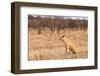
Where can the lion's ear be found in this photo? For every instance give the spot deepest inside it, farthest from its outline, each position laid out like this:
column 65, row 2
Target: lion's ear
column 63, row 36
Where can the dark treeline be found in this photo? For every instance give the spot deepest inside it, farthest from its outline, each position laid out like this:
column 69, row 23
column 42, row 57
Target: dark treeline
column 56, row 23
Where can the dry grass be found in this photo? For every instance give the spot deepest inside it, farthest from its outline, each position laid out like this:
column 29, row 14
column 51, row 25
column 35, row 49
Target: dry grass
column 47, row 46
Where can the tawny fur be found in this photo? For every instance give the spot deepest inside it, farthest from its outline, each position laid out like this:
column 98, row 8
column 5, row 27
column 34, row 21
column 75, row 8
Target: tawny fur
column 69, row 45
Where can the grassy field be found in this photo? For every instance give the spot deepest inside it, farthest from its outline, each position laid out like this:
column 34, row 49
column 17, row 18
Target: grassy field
column 47, row 46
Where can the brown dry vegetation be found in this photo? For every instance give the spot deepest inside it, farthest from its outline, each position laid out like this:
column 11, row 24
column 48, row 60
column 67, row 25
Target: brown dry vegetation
column 45, row 45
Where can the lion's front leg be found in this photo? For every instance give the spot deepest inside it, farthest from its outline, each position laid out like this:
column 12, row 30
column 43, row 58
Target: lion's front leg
column 67, row 49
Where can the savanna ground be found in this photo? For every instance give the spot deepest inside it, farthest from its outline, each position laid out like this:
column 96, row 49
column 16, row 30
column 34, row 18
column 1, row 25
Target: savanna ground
column 47, row 46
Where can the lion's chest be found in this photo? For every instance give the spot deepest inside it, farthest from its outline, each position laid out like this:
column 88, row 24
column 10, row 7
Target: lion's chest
column 68, row 42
